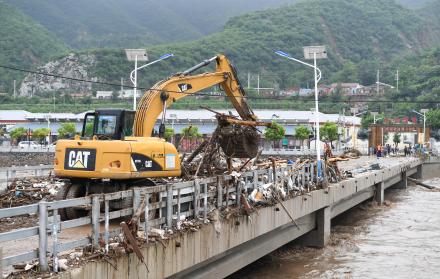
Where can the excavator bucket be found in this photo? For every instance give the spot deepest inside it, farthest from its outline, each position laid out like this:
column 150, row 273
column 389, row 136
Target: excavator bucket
column 239, row 141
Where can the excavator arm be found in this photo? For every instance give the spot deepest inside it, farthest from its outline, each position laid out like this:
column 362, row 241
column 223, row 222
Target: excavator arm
column 164, row 93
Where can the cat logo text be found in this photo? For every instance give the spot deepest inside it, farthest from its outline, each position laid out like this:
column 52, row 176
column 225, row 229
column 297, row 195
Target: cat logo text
column 80, row 159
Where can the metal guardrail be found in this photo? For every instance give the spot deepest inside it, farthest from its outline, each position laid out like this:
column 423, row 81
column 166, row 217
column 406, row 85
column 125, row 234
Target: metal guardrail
column 37, row 149
column 298, row 152
column 197, row 197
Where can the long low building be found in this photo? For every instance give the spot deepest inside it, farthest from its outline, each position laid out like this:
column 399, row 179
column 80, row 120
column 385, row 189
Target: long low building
column 179, row 119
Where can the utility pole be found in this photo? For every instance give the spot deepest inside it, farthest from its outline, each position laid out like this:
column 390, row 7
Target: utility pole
column 377, row 82
column 15, row 88
column 397, row 80
column 258, row 85
column 122, row 87
column 249, row 81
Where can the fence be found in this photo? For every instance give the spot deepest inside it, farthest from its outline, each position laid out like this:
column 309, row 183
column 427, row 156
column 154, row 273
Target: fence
column 32, row 149
column 192, row 199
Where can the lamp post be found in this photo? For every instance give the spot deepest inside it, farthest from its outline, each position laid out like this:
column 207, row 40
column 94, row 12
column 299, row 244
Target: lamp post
column 140, row 55
column 173, row 117
column 312, row 52
column 423, row 113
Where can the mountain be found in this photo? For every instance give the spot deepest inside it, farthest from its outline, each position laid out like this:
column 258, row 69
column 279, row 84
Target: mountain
column 23, row 43
column 133, row 23
column 360, row 36
column 353, row 30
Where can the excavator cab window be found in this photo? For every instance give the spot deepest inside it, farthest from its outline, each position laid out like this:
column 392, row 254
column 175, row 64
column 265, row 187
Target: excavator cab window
column 108, row 124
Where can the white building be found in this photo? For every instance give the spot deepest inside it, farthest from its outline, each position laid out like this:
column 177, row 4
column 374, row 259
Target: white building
column 104, row 94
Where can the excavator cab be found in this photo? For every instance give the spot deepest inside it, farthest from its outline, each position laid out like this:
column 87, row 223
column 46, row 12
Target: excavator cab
column 108, row 124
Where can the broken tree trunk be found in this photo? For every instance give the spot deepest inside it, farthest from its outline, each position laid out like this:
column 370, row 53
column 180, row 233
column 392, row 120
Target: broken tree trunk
column 420, row 183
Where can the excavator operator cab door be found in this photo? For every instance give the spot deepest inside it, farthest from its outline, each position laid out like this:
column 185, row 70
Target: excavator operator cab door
column 110, row 124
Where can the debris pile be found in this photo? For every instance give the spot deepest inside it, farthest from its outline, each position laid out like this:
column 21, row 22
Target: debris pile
column 363, row 169
column 30, row 190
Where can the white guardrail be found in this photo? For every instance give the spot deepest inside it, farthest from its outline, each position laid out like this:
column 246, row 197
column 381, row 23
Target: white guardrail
column 32, row 149
column 196, row 198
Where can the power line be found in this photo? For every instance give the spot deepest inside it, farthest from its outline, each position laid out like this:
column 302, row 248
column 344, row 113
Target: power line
column 275, row 98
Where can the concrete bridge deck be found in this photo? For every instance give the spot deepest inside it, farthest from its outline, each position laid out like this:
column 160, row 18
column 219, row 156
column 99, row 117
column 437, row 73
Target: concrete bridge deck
column 238, row 241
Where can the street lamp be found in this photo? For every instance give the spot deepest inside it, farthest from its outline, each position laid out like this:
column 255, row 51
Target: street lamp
column 47, row 116
column 312, row 52
column 140, row 55
column 423, row 113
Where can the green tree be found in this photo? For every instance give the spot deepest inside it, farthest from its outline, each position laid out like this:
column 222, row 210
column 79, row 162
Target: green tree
column 433, row 119
column 396, row 139
column 274, row 132
column 40, row 133
column 89, row 130
column 386, row 137
column 329, row 132
column 17, row 133
column 191, row 132
column 302, row 133
column 169, row 133
column 66, row 130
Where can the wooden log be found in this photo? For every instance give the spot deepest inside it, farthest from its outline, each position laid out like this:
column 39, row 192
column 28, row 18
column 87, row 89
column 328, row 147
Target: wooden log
column 420, row 183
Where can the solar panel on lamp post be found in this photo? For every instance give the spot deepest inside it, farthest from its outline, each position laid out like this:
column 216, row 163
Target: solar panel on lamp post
column 140, row 55
column 312, row 52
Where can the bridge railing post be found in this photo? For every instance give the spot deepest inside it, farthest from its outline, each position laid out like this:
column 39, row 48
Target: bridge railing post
column 219, row 191
column 146, row 228
column 196, row 198
column 169, row 205
column 255, row 179
column 42, row 235
column 205, row 202
column 95, row 220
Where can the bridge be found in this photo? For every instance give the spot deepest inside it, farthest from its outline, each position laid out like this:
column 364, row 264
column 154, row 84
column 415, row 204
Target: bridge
column 218, row 246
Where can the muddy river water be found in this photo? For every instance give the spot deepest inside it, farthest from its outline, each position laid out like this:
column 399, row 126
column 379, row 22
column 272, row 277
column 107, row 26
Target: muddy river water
column 400, row 239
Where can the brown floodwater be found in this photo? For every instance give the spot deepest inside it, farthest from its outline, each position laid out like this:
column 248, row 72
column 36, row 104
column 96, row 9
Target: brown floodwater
column 398, row 240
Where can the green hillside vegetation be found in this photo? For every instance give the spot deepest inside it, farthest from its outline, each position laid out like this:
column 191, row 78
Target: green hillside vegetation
column 23, row 43
column 358, row 35
column 419, row 81
column 361, row 36
column 122, row 23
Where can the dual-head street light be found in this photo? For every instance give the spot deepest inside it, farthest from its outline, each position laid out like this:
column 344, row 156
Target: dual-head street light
column 140, row 55
column 312, row 52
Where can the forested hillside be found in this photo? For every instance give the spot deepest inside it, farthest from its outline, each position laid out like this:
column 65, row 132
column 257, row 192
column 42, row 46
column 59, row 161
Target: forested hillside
column 359, row 35
column 132, row 23
column 23, row 43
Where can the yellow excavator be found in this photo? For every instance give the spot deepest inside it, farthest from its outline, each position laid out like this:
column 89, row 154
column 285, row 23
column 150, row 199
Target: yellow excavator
column 116, row 149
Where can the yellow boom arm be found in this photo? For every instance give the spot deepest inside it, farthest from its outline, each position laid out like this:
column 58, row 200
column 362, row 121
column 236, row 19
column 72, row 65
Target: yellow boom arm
column 166, row 92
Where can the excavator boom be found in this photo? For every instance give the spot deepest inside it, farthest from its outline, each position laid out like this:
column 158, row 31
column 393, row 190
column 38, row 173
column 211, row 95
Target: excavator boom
column 164, row 93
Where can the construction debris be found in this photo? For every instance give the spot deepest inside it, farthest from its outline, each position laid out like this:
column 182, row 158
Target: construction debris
column 30, row 190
